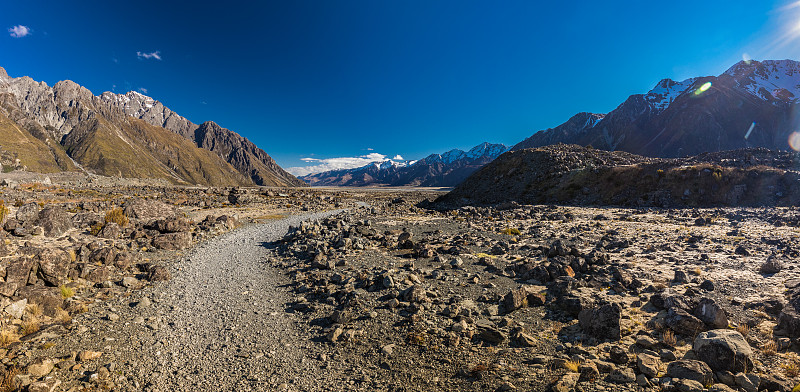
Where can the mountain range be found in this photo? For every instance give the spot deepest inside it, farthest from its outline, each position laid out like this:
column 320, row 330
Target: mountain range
column 446, row 169
column 67, row 128
column 752, row 104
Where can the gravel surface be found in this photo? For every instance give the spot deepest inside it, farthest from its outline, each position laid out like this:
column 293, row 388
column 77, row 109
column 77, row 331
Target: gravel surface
column 225, row 323
column 219, row 324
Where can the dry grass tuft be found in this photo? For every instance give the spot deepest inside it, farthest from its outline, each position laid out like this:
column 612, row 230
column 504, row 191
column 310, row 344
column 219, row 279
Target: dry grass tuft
column 30, row 326
column 769, row 348
column 117, row 215
column 34, row 309
column 95, row 229
column 8, row 337
column 66, row 292
column 62, row 316
column 9, row 383
column 3, row 210
column 668, row 337
column 743, row 329
column 572, row 366
column 510, row 231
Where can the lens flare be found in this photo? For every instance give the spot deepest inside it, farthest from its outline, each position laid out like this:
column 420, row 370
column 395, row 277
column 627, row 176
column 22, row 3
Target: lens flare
column 703, row 88
column 794, row 141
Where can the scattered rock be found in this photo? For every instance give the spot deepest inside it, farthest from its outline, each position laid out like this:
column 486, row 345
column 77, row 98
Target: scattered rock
column 602, row 322
column 724, row 349
column 690, row 369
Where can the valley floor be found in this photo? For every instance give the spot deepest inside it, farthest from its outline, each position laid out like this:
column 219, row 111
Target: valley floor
column 340, row 290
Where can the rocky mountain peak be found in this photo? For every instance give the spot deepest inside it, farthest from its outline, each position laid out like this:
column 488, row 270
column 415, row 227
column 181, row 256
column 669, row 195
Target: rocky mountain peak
column 67, row 90
column 662, row 95
column 138, row 105
column 771, row 80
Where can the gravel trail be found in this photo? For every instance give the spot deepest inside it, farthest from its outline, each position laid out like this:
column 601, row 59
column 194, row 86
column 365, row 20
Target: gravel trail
column 221, row 322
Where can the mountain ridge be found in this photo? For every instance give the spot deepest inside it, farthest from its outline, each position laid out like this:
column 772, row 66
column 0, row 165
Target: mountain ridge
column 51, row 114
column 748, row 105
column 435, row 170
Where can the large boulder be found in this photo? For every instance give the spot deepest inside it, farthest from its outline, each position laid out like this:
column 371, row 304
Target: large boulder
column 682, row 322
column 110, row 231
column 690, row 369
column 724, row 349
column 27, row 213
column 17, row 272
column 710, row 313
column 169, row 225
column 49, row 298
column 53, row 265
column 54, row 220
column 173, row 241
column 523, row 297
column 602, row 322
column 147, row 209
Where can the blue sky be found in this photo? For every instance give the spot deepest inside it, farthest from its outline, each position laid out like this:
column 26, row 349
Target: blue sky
column 343, row 79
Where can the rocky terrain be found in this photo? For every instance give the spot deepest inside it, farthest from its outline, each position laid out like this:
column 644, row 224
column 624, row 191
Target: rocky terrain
column 571, row 174
column 749, row 105
column 163, row 288
column 436, row 170
column 67, row 128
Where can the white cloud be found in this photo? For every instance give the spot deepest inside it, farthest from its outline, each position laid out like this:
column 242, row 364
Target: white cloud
column 323, row 165
column 397, row 157
column 142, row 90
column 19, row 31
column 153, row 55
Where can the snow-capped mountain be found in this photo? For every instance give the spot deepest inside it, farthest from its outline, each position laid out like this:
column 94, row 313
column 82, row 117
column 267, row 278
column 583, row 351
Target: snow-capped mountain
column 774, row 80
column 749, row 105
column 446, row 169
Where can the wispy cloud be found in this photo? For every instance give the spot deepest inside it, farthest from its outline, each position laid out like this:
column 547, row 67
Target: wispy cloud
column 323, row 165
column 142, row 90
column 152, row 55
column 19, row 31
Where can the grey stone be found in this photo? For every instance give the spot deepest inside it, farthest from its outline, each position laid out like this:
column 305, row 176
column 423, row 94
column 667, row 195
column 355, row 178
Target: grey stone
column 691, row 370
column 618, row 355
column 685, row 385
column 602, row 322
column 17, row 309
column 724, row 349
column 649, row 365
column 40, row 367
column 710, row 313
column 54, row 220
column 566, row 383
column 622, row 376
column 748, row 382
column 720, row 388
column 682, row 322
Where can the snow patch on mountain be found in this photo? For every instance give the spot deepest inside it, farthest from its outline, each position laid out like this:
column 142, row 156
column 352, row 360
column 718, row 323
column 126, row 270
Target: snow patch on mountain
column 481, row 150
column 665, row 92
column 769, row 79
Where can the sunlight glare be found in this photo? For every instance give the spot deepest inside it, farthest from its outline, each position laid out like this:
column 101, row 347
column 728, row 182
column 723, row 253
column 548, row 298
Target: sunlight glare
column 703, row 88
column 794, row 141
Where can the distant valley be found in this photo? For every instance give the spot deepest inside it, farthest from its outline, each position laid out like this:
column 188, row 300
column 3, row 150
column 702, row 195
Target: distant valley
column 435, row 170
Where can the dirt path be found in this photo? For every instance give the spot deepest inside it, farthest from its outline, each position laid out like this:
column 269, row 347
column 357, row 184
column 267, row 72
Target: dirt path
column 219, row 324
